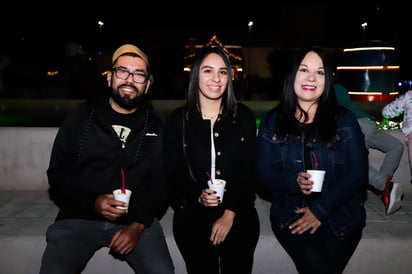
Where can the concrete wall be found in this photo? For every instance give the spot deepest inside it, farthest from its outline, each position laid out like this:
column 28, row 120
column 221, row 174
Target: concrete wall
column 25, row 153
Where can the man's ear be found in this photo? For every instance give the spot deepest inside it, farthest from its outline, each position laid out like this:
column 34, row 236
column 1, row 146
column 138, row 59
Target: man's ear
column 109, row 78
column 149, row 82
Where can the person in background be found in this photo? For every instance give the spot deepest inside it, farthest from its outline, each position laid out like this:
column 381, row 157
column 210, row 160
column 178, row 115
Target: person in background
column 105, row 141
column 78, row 72
column 402, row 105
column 309, row 130
column 213, row 135
column 376, row 138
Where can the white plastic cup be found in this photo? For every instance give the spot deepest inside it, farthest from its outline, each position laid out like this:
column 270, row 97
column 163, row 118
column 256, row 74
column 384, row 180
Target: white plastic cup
column 124, row 197
column 317, row 176
column 218, row 186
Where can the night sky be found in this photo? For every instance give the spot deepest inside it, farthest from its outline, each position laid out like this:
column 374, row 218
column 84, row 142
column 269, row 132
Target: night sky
column 46, row 29
column 333, row 24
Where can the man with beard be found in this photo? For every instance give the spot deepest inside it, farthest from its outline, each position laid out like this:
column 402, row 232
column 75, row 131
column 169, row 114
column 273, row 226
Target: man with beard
column 107, row 143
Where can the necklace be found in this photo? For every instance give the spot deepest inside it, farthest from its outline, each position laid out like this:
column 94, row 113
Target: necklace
column 210, row 116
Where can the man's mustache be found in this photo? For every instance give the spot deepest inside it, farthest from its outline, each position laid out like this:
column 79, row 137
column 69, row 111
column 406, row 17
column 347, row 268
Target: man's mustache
column 129, row 86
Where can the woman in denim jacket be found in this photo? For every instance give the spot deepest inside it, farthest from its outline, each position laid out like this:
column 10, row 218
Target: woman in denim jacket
column 308, row 130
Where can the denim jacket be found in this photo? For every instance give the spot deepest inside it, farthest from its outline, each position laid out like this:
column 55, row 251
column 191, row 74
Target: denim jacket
column 341, row 202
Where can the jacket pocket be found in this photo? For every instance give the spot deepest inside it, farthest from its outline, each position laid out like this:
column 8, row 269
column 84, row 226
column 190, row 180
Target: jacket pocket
column 349, row 218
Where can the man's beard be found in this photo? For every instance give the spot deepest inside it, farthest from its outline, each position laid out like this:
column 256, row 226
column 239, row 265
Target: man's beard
column 127, row 103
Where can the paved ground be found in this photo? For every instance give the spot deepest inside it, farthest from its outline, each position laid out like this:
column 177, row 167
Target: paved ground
column 397, row 225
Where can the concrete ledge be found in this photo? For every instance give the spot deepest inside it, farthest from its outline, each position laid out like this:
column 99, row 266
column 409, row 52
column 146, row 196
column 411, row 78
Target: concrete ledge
column 26, row 212
column 25, row 216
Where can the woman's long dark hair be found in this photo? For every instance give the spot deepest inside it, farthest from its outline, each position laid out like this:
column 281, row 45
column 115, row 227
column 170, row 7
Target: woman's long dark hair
column 192, row 97
column 324, row 124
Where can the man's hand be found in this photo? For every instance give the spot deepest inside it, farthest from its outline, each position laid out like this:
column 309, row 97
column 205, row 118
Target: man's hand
column 105, row 206
column 126, row 239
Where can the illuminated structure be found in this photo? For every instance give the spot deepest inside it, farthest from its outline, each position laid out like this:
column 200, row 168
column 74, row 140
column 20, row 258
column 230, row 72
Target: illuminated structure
column 236, row 59
column 369, row 72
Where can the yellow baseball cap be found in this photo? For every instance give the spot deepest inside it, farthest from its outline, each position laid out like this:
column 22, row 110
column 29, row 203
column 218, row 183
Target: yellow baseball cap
column 129, row 48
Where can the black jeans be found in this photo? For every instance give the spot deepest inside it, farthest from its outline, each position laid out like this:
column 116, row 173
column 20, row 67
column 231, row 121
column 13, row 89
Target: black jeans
column 71, row 244
column 320, row 253
column 192, row 229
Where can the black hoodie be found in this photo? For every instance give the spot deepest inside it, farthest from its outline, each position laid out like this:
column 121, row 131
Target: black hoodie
column 88, row 156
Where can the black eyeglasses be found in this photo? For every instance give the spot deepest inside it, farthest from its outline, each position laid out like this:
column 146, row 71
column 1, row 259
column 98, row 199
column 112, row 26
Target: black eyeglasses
column 123, row 74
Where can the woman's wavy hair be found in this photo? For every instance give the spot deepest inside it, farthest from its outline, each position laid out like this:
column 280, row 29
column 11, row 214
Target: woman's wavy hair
column 324, row 128
column 192, row 96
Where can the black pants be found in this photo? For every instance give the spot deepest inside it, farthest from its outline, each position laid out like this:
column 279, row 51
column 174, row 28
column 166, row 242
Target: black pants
column 192, row 229
column 71, row 243
column 320, row 253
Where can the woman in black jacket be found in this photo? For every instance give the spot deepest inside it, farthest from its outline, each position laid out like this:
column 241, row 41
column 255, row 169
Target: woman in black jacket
column 212, row 135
